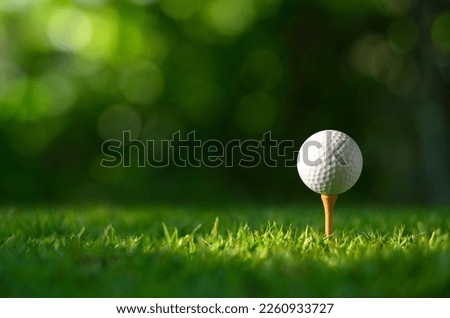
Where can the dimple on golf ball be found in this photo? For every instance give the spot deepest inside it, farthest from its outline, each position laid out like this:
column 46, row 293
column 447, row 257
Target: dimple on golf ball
column 329, row 162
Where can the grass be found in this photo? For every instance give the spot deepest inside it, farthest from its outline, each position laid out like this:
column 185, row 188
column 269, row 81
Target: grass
column 243, row 251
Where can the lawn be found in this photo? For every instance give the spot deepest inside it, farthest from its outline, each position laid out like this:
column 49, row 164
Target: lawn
column 234, row 251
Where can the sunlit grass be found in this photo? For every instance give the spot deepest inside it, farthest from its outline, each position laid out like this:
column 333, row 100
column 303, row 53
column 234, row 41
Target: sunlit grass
column 235, row 251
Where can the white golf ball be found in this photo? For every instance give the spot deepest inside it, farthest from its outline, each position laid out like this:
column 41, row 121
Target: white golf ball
column 329, row 162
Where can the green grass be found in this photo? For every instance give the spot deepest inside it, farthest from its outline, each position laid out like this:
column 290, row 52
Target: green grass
column 228, row 252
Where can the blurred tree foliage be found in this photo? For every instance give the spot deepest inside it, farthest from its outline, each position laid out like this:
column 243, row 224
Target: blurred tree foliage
column 75, row 73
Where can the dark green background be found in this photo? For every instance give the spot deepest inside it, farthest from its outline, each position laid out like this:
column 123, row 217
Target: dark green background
column 74, row 73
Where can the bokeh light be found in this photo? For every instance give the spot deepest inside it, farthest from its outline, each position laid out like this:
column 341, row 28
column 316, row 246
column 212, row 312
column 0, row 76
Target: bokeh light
column 156, row 45
column 440, row 32
column 14, row 96
column 180, row 9
column 132, row 42
column 48, row 95
column 104, row 37
column 33, row 139
column 75, row 73
column 397, row 7
column 229, row 17
column 143, row 2
column 198, row 97
column 69, row 29
column 58, row 92
column 142, row 83
column 16, row 5
column 119, row 118
column 403, row 35
column 93, row 3
column 372, row 56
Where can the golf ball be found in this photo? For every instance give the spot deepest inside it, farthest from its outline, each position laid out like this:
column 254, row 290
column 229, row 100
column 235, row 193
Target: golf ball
column 329, row 162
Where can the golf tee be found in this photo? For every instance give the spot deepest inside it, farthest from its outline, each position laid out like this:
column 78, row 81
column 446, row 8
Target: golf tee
column 328, row 200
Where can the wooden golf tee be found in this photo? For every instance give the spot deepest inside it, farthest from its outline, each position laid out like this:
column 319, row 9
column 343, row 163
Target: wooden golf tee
column 328, row 200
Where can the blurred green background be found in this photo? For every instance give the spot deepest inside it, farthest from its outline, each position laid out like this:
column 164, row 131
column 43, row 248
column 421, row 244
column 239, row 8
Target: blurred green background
column 75, row 73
